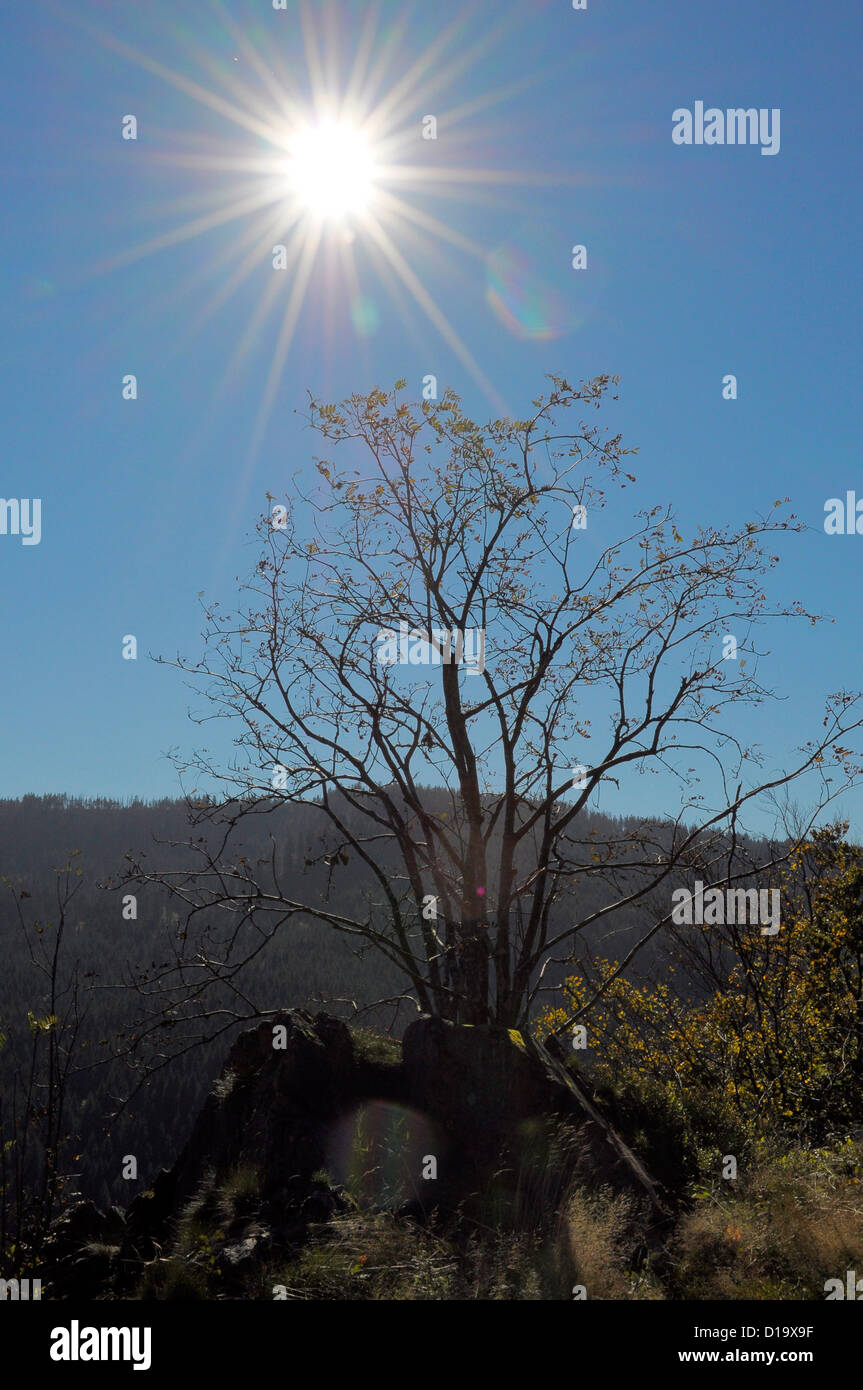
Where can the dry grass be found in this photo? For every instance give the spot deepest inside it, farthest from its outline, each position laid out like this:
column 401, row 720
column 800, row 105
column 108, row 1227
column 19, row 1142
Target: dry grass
column 601, row 1230
column 778, row 1232
column 366, row 1256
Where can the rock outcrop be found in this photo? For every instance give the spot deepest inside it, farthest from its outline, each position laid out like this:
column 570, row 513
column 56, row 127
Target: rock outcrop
column 471, row 1118
column 496, row 1092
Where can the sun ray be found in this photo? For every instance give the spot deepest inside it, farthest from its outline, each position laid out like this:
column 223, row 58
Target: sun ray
column 396, row 35
column 418, row 174
column 253, row 124
column 269, row 299
column 362, row 57
column 391, row 111
column 252, row 239
column 456, row 114
column 251, row 262
column 314, row 63
column 432, row 311
column 385, row 112
column 426, row 251
column 264, row 307
column 399, row 207
column 278, row 87
column 286, row 333
column 230, row 213
column 399, row 296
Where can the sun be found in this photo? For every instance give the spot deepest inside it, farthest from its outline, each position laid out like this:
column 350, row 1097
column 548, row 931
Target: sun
column 331, row 170
column 335, row 176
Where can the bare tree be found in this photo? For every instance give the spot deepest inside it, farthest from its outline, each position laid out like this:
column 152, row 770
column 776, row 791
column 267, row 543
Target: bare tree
column 427, row 531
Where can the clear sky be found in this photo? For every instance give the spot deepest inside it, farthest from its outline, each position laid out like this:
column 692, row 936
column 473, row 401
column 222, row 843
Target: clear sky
column 153, row 256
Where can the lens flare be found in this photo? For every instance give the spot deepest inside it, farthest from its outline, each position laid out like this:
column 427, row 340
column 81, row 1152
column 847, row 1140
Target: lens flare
column 527, row 304
column 377, row 1152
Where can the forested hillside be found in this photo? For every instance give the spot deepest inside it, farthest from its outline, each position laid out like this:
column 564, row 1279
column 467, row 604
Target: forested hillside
column 306, row 964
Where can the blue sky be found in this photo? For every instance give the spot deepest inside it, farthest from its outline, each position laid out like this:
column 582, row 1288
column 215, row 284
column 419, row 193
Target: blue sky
column 702, row 261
